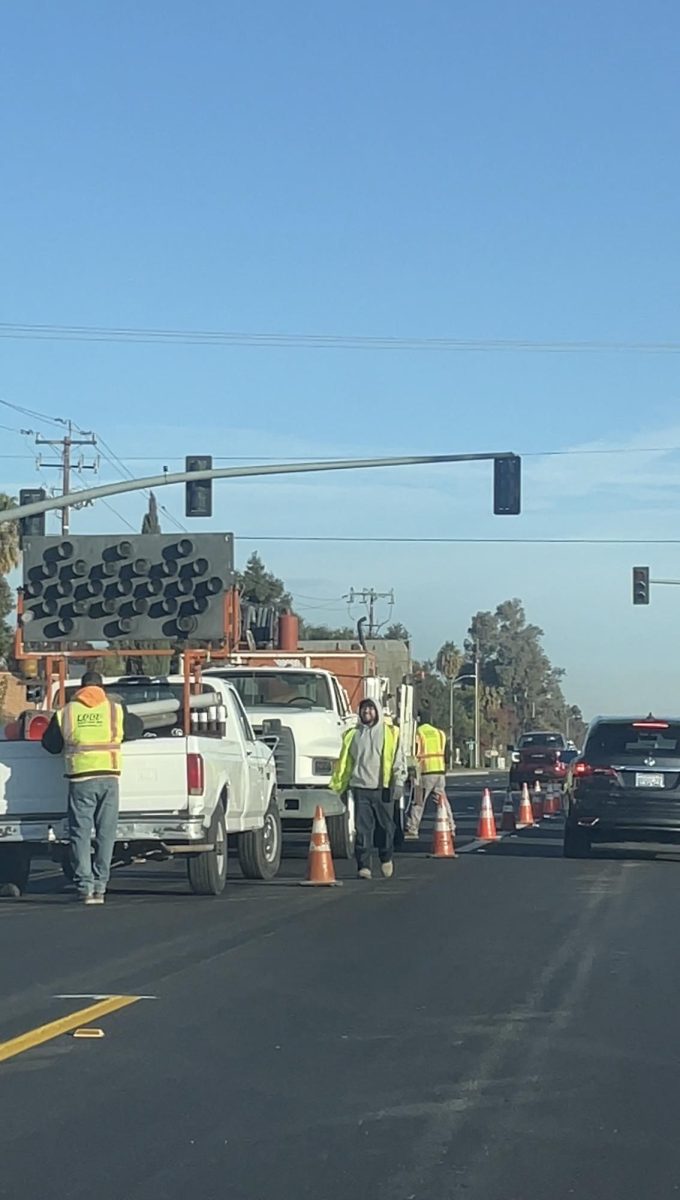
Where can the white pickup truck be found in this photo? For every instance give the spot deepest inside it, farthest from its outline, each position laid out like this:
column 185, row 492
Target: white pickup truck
column 178, row 795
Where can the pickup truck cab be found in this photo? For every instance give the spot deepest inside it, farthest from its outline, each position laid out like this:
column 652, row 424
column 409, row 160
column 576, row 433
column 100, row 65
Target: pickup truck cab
column 179, row 795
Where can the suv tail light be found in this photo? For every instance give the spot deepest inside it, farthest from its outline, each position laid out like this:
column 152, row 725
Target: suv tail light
column 585, row 769
column 195, row 774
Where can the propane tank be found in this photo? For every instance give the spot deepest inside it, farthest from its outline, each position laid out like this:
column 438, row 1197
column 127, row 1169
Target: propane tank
column 222, row 720
column 212, row 719
column 289, row 631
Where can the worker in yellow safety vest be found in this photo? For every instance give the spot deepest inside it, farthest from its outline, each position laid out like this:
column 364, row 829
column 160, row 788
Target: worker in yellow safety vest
column 371, row 767
column 89, row 730
column 431, row 760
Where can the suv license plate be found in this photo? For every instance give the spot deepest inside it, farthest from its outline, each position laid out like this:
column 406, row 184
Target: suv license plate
column 647, row 779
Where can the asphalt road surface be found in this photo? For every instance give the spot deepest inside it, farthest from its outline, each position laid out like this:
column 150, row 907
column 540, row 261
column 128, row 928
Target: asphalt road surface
column 498, row 1027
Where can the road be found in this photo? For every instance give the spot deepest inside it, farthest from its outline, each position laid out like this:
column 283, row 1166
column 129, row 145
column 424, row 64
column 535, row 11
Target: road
column 499, row 1027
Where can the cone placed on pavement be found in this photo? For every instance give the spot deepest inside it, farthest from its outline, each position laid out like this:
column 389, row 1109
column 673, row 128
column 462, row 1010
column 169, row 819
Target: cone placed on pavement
column 486, row 827
column 526, row 815
column 537, row 802
column 320, row 869
column 552, row 804
column 508, row 823
column 442, row 841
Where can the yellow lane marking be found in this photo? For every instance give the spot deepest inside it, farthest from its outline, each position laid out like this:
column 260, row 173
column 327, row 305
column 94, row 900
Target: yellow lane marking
column 45, row 1033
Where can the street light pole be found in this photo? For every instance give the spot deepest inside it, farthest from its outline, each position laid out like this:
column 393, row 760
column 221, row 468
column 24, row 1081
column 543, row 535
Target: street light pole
column 477, row 747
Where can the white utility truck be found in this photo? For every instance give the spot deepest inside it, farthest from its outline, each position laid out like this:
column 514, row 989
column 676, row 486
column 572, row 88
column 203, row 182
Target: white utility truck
column 180, row 795
column 303, row 712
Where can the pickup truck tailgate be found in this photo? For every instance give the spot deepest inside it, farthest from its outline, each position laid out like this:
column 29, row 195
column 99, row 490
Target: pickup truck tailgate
column 153, row 779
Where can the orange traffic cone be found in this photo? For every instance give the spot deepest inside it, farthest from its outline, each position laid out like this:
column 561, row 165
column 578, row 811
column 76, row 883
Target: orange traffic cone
column 320, row 869
column 526, row 816
column 552, row 804
column 537, row 802
column 508, row 823
column 443, row 845
column 486, row 827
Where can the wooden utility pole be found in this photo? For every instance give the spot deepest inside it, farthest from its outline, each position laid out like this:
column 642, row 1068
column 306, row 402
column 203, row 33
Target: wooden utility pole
column 66, row 465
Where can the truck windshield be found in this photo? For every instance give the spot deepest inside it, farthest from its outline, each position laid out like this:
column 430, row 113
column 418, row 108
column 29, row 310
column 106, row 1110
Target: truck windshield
column 273, row 689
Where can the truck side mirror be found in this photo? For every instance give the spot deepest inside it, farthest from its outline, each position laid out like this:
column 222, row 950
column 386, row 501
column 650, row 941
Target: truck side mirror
column 510, row 746
column 272, row 727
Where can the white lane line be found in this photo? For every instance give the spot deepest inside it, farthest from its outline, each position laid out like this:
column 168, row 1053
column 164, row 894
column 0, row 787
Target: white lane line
column 95, row 996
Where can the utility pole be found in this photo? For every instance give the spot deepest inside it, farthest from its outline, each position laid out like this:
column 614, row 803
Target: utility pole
column 369, row 597
column 65, row 465
column 477, row 720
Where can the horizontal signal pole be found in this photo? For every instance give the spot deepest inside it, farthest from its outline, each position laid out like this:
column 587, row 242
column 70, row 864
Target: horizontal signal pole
column 157, row 481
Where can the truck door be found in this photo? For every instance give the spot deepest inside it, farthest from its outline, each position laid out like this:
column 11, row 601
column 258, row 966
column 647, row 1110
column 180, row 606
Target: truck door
column 254, row 764
column 346, row 718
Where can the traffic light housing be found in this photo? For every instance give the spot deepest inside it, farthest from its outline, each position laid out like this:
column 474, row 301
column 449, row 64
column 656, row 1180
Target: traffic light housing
column 144, row 587
column 198, row 492
column 507, row 486
column 32, row 526
column 640, row 585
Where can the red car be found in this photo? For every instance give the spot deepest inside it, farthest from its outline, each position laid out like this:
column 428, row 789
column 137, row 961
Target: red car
column 538, row 759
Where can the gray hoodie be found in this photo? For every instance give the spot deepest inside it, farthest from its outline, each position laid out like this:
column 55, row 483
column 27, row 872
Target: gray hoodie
column 366, row 752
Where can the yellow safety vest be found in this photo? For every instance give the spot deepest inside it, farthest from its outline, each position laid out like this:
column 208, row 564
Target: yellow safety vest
column 430, row 750
column 343, row 767
column 92, row 738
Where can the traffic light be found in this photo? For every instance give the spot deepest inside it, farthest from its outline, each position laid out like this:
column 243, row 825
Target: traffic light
column 640, row 585
column 149, row 586
column 507, row 486
column 32, row 526
column 198, row 493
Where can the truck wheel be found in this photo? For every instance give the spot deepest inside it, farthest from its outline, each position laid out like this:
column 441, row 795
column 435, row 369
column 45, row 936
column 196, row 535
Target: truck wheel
column 576, row 842
column 15, row 866
column 342, row 832
column 208, row 871
column 259, row 850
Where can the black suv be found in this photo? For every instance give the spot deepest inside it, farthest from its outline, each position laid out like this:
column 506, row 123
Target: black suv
column 625, row 786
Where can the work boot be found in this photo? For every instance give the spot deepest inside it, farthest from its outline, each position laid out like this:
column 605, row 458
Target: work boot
column 365, row 873
column 387, row 869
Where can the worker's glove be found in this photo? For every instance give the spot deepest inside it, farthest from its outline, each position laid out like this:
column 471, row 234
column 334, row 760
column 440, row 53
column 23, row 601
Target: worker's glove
column 397, row 792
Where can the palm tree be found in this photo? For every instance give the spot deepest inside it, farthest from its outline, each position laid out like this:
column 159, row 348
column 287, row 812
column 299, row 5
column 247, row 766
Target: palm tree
column 449, row 660
column 9, row 539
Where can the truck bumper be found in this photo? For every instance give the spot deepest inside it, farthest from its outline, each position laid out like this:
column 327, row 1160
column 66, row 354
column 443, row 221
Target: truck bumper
column 299, row 804
column 158, row 828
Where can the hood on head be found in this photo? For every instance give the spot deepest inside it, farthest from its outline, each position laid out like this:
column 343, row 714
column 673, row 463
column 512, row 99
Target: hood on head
column 91, row 696
column 378, row 708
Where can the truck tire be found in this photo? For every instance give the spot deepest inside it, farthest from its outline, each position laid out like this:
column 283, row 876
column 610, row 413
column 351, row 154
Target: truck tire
column 15, row 866
column 259, row 850
column 207, row 871
column 342, row 832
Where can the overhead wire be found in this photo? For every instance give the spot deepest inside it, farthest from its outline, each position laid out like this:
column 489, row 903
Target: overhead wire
column 308, row 341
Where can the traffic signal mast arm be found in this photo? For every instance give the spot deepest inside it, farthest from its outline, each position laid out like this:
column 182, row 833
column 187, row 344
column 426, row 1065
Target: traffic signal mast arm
column 156, row 481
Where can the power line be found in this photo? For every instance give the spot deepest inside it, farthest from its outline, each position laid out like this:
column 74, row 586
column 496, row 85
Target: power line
column 132, row 458
column 461, row 541
column 313, row 341
column 35, row 416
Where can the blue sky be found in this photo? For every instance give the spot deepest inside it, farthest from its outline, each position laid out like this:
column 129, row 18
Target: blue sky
column 468, row 170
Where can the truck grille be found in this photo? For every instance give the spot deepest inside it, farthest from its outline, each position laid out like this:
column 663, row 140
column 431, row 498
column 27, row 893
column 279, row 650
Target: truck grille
column 284, row 755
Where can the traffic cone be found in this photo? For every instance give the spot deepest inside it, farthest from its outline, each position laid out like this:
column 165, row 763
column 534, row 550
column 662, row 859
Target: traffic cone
column 486, row 827
column 320, row 869
column 508, row 823
column 537, row 802
column 443, row 845
column 552, row 804
column 526, row 816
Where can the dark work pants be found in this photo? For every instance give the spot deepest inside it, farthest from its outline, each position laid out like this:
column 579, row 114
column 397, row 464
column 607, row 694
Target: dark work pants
column 374, row 816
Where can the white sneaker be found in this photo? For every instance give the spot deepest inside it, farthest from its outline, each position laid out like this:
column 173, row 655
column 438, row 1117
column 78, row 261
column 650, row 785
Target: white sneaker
column 387, row 869
column 365, row 873
column 411, row 837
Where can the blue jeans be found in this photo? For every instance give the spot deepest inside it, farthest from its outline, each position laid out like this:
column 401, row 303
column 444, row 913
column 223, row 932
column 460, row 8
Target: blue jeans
column 92, row 803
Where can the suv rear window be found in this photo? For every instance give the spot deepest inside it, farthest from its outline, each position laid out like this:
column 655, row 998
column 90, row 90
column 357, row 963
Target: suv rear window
column 616, row 740
column 554, row 740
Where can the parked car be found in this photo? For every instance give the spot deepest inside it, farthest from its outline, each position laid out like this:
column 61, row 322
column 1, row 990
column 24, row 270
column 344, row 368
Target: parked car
column 626, row 784
column 538, row 759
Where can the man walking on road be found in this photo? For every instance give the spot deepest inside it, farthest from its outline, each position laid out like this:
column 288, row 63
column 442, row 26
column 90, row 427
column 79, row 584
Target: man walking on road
column 431, row 758
column 89, row 730
column 371, row 767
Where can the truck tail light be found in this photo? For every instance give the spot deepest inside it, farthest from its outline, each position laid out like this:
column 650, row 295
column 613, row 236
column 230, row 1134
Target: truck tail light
column 195, row 774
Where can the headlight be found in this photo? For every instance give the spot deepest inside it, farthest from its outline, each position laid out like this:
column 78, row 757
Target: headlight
column 322, row 766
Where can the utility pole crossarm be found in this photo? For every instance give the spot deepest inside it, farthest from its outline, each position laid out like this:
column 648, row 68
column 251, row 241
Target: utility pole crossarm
column 158, row 481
